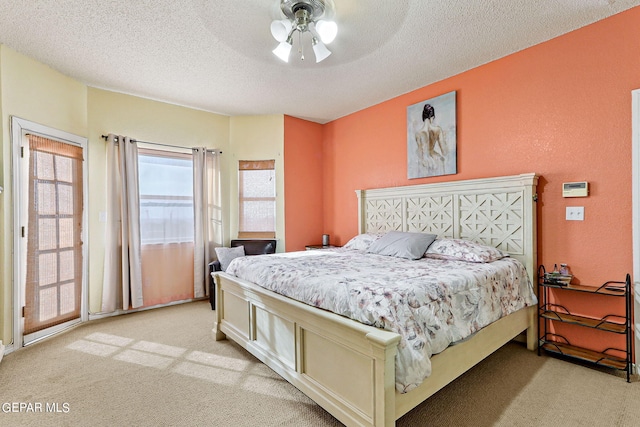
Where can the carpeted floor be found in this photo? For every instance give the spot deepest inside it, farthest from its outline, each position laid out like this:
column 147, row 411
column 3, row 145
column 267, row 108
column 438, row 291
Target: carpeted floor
column 162, row 368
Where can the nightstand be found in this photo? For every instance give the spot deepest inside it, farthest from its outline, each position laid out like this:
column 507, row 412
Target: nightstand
column 311, row 247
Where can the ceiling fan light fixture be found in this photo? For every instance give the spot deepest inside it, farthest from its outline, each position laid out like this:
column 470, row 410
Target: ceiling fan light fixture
column 280, row 29
column 300, row 14
column 320, row 50
column 327, row 30
column 283, row 50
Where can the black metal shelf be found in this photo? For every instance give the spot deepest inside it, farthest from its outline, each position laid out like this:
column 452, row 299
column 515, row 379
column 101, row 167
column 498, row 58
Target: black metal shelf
column 609, row 323
column 617, row 289
column 556, row 344
column 586, row 355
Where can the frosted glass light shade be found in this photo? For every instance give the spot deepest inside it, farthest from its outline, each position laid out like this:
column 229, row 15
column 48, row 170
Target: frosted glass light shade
column 283, row 50
column 327, row 30
column 320, row 50
column 280, row 29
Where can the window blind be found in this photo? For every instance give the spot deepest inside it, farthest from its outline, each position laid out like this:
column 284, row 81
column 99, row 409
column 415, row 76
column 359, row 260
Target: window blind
column 54, row 246
column 257, row 199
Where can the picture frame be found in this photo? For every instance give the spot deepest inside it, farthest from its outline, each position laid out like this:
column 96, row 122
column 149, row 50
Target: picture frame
column 432, row 137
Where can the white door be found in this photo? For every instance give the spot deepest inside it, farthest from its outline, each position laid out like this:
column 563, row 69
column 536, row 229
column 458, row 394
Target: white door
column 635, row 185
column 50, row 230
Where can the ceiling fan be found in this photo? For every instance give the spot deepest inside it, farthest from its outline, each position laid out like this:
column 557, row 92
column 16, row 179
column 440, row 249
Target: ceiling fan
column 305, row 16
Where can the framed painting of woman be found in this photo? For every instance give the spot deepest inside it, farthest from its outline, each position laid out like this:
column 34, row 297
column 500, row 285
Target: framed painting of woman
column 431, row 137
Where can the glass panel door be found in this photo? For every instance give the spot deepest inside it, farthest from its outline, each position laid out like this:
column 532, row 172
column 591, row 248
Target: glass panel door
column 54, row 264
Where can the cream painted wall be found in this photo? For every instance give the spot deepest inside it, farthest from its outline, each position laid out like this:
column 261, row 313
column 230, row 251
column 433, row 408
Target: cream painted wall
column 145, row 120
column 35, row 92
column 256, row 138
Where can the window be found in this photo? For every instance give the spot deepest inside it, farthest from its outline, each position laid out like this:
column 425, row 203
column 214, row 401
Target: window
column 166, row 225
column 166, row 197
column 257, row 201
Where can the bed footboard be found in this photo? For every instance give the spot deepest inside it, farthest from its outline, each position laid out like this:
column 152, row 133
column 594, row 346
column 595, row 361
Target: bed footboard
column 346, row 367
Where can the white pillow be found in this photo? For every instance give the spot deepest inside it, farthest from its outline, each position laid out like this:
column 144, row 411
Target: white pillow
column 402, row 244
column 226, row 255
column 463, row 250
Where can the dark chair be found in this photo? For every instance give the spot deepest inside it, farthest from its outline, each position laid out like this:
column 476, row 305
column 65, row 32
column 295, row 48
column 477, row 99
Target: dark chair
column 251, row 247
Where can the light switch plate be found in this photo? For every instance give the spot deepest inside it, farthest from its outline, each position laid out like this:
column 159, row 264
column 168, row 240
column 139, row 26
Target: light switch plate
column 575, row 213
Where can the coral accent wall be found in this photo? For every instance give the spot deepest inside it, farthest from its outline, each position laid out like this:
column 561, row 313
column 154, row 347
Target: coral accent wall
column 303, row 183
column 561, row 109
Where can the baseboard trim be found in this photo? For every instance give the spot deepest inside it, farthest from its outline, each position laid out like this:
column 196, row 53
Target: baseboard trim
column 96, row 316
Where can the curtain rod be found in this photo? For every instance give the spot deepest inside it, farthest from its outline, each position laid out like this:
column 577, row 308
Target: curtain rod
column 167, row 145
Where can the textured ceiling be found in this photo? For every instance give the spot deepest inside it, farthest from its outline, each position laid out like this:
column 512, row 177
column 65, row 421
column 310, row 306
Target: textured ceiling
column 216, row 55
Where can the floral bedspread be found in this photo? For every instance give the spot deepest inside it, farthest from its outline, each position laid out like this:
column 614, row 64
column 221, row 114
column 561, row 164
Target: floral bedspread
column 431, row 303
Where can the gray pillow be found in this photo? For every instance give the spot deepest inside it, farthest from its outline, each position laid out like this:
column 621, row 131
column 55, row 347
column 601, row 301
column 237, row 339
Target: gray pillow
column 402, row 244
column 226, row 255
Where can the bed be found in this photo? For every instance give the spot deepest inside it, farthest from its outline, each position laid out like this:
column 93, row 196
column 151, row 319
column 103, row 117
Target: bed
column 349, row 368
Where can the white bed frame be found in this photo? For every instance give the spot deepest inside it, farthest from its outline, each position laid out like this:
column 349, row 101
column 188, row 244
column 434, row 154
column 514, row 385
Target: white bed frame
column 347, row 367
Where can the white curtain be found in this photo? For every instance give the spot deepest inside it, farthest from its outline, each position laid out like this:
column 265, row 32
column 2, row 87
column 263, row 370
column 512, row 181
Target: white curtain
column 207, row 215
column 122, row 283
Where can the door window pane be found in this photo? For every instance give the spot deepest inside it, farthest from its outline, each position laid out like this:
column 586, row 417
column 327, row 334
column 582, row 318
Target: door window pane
column 54, row 247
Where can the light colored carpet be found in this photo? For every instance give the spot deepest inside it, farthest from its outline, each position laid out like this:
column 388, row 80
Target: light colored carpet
column 162, row 368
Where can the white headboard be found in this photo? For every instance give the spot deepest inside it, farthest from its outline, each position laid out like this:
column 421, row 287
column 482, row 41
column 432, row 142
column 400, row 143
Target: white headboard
column 499, row 212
